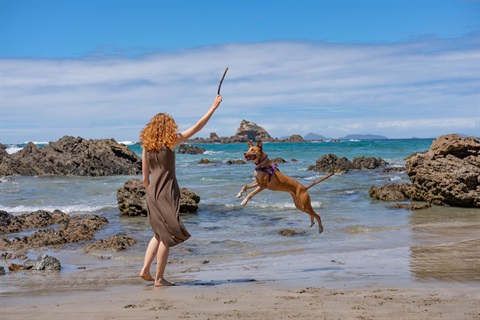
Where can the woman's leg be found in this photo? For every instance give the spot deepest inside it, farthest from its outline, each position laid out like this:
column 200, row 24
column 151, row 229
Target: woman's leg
column 149, row 256
column 162, row 258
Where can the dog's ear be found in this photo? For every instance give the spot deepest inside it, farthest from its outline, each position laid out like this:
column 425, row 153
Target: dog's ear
column 250, row 143
column 259, row 144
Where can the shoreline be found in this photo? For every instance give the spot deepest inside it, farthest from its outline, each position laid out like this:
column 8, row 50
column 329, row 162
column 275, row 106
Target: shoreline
column 249, row 300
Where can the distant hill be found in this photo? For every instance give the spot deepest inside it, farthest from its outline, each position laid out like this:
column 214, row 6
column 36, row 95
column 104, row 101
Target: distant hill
column 364, row 137
column 314, row 136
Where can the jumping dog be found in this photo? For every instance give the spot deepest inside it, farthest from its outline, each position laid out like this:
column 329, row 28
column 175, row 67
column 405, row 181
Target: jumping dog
column 267, row 176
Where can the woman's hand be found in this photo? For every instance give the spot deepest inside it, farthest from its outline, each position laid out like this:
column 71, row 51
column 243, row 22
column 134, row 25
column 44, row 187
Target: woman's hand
column 217, row 101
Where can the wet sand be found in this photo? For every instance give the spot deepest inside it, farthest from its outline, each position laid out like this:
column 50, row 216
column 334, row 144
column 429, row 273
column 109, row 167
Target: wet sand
column 437, row 280
column 252, row 300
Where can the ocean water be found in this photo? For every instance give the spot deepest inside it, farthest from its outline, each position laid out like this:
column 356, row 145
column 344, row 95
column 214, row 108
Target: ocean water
column 365, row 241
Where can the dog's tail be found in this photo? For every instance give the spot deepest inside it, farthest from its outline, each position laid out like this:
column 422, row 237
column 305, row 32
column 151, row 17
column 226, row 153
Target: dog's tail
column 318, row 181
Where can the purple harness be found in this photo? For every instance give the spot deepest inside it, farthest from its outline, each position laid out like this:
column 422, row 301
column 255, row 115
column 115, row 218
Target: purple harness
column 270, row 170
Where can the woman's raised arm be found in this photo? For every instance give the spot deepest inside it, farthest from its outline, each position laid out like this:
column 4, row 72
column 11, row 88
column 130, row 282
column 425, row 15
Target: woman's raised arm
column 187, row 134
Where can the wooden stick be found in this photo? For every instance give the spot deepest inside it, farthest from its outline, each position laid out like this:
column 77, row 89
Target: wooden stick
column 221, row 81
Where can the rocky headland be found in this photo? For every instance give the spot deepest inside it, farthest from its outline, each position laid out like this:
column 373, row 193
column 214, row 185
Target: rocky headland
column 71, row 156
column 447, row 174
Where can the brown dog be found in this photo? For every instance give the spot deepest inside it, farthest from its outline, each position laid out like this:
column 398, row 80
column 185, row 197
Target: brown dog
column 267, row 176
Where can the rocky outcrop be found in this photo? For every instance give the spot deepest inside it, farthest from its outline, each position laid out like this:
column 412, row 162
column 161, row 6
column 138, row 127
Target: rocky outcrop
column 70, row 229
column 118, row 242
column 291, row 232
column 189, row 149
column 3, row 152
column 131, row 199
column 239, row 161
column 33, row 220
column 43, row 262
column 449, row 172
column 394, row 192
column 72, row 156
column 246, row 131
column 332, row 163
column 188, row 201
column 252, row 131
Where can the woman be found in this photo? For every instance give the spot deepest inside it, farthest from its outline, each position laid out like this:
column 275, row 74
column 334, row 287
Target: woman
column 159, row 138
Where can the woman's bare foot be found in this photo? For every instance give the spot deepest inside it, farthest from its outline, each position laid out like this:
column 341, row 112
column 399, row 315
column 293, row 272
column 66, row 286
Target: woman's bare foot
column 145, row 275
column 164, row 283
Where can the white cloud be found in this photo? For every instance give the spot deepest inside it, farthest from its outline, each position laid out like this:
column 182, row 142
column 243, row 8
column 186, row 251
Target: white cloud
column 452, row 123
column 287, row 87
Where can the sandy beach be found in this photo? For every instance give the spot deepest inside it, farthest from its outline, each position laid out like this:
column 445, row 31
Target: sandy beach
column 254, row 300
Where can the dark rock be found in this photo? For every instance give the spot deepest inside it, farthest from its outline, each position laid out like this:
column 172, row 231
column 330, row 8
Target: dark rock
column 117, row 242
column 14, row 255
column 331, row 163
column 131, row 199
column 74, row 229
column 236, row 162
column 13, row 267
column 410, row 206
column 188, row 201
column 189, row 149
column 29, row 264
column 5, row 221
column 364, row 163
column 394, row 169
column 33, row 220
column 291, row 232
column 3, row 152
column 392, row 192
column 43, row 262
column 449, row 172
column 73, row 156
column 2, row 271
column 279, row 160
column 204, row 161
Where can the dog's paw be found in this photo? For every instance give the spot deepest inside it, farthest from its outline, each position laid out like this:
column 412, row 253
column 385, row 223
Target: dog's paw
column 312, row 223
column 320, row 230
column 239, row 195
column 244, row 202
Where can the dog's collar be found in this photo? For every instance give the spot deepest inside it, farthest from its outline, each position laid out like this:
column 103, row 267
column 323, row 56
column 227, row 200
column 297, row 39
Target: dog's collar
column 258, row 163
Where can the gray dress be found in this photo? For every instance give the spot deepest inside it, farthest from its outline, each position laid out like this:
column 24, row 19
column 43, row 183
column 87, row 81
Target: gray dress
column 163, row 198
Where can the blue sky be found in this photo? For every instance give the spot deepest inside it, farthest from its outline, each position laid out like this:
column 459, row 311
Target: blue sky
column 102, row 69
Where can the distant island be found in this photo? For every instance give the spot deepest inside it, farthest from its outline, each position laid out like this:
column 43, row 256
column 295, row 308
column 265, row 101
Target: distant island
column 313, row 136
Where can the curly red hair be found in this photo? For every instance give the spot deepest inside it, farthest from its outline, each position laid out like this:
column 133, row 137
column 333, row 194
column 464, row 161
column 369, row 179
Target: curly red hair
column 160, row 131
